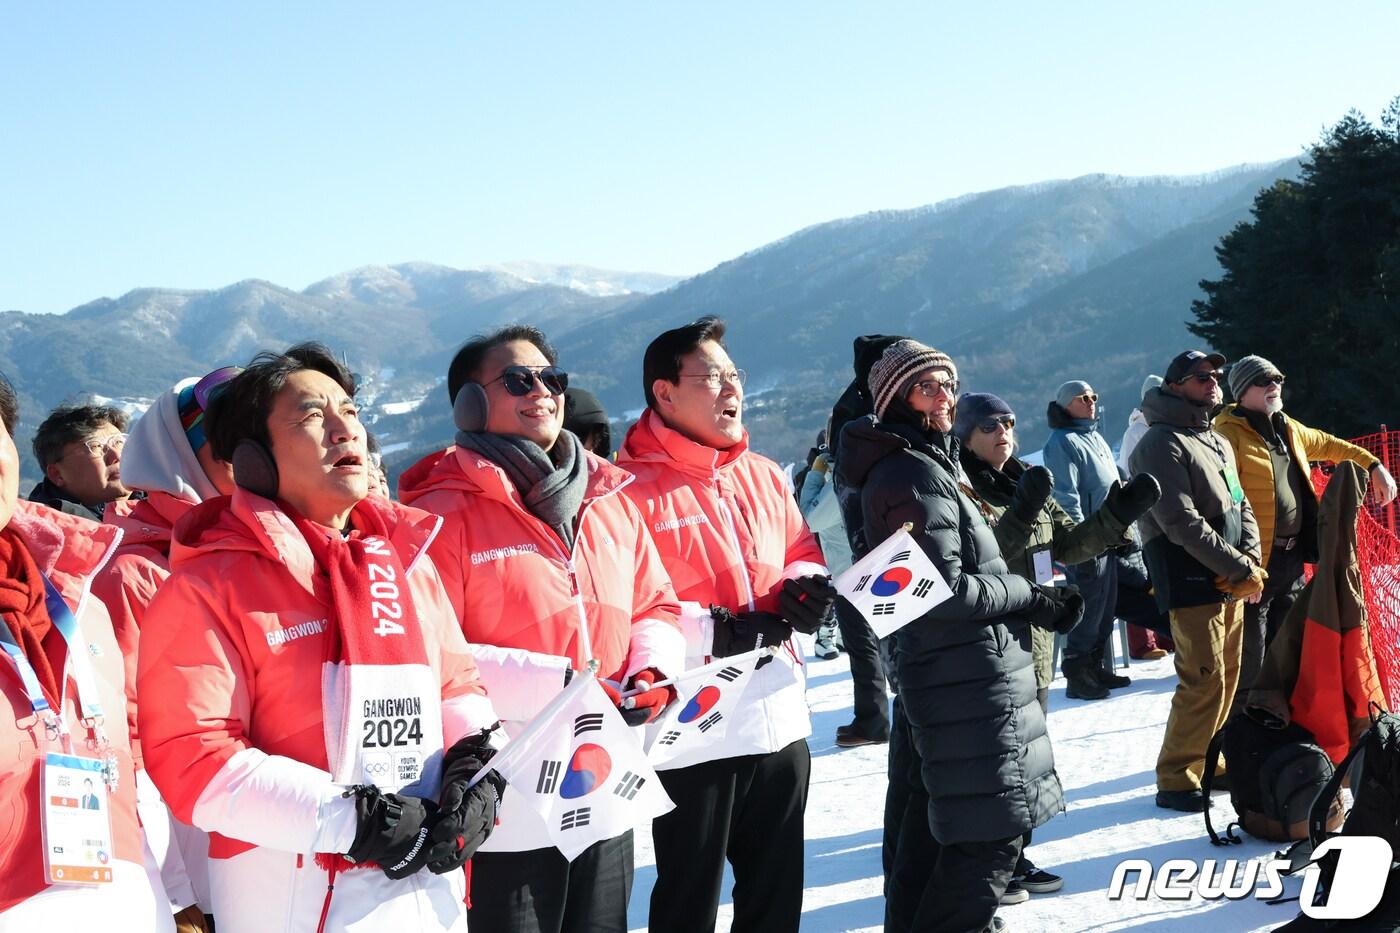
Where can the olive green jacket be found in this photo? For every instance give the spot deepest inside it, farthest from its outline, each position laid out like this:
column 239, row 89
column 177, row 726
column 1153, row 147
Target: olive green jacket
column 1053, row 529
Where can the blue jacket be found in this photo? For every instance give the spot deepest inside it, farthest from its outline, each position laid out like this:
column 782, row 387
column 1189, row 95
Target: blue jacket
column 1081, row 462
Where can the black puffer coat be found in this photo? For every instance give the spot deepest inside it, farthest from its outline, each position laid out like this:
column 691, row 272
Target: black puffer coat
column 966, row 681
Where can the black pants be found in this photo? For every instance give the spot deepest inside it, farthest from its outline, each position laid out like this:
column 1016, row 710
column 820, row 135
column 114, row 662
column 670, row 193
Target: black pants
column 872, row 718
column 748, row 809
column 1139, row 607
column 540, row 891
column 1262, row 619
column 1097, row 580
column 931, row 887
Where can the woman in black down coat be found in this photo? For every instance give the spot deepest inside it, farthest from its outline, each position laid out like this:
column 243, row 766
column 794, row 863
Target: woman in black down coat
column 968, row 732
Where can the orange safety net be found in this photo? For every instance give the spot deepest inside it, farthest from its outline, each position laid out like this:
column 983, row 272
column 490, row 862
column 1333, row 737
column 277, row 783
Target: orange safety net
column 1378, row 553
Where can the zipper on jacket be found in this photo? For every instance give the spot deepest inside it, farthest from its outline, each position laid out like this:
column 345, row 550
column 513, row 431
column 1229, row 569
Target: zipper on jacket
column 734, row 540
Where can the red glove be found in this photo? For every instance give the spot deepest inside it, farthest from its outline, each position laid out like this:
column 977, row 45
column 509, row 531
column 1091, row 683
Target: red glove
column 649, row 704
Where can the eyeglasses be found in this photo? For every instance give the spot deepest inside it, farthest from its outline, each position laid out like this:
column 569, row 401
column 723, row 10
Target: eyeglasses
column 716, row 379
column 1263, row 382
column 519, row 380
column 930, row 388
column 1212, row 376
column 990, row 425
column 1088, row 398
column 99, row 447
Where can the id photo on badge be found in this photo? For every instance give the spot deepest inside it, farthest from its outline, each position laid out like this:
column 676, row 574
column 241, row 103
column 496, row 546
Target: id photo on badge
column 77, row 823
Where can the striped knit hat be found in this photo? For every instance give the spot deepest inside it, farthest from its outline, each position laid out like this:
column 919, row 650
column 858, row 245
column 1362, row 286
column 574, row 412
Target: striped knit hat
column 898, row 365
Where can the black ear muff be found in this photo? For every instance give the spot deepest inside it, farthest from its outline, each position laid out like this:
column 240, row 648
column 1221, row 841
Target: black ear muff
column 470, row 408
column 254, row 469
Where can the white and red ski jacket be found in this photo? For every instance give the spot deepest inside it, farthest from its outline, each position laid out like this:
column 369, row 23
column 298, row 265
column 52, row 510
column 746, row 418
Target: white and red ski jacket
column 70, row 551
column 230, row 711
column 532, row 608
column 729, row 532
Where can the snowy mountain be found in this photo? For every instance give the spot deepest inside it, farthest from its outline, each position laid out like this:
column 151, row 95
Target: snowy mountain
column 1090, row 277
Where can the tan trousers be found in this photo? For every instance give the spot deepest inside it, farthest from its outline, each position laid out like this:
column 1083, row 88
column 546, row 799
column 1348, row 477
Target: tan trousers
column 1208, row 644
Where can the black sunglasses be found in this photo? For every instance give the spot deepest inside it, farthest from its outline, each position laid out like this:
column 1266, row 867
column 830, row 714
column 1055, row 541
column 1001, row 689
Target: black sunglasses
column 519, row 380
column 1263, row 382
column 1212, row 376
column 989, row 425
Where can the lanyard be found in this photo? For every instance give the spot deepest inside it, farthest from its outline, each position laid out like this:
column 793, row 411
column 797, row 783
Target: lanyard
column 67, row 625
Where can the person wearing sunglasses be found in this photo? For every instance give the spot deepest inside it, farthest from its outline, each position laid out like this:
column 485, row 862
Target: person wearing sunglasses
column 748, row 573
column 79, row 449
column 1202, row 549
column 548, row 567
column 1275, row 453
column 1034, row 532
column 1086, row 476
column 168, row 458
column 966, row 680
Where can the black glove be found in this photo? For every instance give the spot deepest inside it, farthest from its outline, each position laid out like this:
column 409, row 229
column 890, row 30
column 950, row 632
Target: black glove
column 737, row 632
column 806, row 603
column 1130, row 501
column 1057, row 609
column 465, row 816
column 393, row 830
column 1032, row 492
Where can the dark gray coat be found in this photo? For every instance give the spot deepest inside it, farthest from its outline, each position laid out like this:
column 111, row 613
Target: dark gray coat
column 966, row 681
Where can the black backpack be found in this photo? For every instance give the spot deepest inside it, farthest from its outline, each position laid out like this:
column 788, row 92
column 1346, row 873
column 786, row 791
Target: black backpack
column 1375, row 811
column 1275, row 775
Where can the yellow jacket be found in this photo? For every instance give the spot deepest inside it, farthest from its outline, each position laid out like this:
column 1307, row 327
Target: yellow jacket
column 1305, row 445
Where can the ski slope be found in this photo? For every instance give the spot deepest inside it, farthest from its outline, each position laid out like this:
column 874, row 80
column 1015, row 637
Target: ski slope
column 1104, row 751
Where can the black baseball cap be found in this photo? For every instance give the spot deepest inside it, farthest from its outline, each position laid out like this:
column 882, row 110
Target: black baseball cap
column 1185, row 362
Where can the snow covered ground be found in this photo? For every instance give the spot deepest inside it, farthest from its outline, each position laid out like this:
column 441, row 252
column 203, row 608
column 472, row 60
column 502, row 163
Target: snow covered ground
column 1104, row 751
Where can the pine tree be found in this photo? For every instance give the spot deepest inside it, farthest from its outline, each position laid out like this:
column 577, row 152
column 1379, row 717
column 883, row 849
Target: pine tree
column 1311, row 281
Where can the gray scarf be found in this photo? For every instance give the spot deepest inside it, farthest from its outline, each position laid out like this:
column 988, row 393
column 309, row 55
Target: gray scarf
column 550, row 483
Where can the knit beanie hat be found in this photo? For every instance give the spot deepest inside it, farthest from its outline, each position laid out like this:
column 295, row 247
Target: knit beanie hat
column 1246, row 371
column 896, row 368
column 1150, row 383
column 1070, row 391
column 974, row 408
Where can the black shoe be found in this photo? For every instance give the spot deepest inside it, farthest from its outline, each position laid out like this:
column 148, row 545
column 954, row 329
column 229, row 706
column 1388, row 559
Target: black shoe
column 1112, row 681
column 850, row 738
column 1015, row 894
column 1187, row 801
column 1038, row 880
column 1105, row 676
column 1080, row 683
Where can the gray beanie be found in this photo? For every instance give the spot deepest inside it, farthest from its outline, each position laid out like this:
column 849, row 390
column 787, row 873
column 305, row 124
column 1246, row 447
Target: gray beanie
column 1246, row 371
column 1150, row 383
column 1070, row 391
column 896, row 368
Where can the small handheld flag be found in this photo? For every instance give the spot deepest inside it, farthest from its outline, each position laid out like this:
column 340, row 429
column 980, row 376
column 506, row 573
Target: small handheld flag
column 894, row 584
column 580, row 767
column 706, row 699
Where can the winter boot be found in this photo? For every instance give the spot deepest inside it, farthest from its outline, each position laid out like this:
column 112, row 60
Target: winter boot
column 1105, row 675
column 1080, row 682
column 825, row 646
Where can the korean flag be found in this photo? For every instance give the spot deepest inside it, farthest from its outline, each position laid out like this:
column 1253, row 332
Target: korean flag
column 705, row 702
column 580, row 767
column 894, row 584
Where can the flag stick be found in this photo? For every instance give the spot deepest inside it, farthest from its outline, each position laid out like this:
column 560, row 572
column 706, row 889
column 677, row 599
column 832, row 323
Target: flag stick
column 712, row 666
column 532, row 729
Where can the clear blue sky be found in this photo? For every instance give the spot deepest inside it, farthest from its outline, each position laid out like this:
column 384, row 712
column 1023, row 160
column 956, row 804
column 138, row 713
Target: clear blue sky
column 196, row 144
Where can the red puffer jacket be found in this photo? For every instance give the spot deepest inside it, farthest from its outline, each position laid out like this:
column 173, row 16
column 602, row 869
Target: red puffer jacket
column 230, row 687
column 531, row 608
column 729, row 531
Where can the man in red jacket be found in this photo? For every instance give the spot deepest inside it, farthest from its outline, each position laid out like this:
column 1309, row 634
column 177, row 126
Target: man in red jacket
column 547, row 567
column 731, row 536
